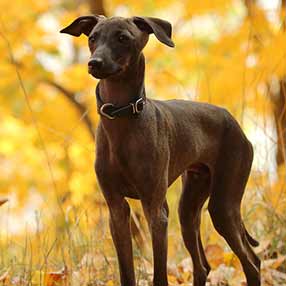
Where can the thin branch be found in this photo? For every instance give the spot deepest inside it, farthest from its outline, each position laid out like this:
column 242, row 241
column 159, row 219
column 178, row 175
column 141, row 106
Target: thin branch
column 70, row 96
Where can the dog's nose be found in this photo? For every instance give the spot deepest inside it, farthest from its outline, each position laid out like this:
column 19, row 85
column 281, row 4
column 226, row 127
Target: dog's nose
column 96, row 63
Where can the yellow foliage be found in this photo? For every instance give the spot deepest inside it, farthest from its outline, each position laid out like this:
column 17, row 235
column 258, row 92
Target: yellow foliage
column 47, row 149
column 208, row 6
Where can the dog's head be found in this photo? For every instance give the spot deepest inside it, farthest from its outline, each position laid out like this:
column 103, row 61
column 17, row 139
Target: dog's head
column 115, row 43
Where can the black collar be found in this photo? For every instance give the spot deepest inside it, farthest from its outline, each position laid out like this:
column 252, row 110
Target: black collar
column 110, row 111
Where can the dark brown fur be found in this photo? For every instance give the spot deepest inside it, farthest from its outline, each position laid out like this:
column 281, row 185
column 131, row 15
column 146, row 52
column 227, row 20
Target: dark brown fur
column 141, row 156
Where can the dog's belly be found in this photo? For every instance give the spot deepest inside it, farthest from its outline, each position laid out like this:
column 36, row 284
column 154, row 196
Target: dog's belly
column 130, row 193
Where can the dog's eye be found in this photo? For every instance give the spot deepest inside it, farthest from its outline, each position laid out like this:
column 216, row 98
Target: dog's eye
column 123, row 39
column 92, row 40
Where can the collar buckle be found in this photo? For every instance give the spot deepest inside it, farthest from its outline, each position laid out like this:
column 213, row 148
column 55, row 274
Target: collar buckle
column 136, row 109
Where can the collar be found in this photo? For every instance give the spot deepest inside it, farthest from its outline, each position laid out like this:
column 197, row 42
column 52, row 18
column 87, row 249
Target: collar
column 111, row 111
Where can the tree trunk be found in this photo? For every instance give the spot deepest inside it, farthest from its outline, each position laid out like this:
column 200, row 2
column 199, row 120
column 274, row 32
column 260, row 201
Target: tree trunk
column 278, row 99
column 279, row 109
column 97, row 7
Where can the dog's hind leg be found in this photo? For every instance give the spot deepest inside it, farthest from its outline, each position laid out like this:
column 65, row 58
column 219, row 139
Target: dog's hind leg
column 196, row 187
column 229, row 181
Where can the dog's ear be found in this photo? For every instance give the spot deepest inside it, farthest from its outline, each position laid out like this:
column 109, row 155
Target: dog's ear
column 82, row 25
column 161, row 28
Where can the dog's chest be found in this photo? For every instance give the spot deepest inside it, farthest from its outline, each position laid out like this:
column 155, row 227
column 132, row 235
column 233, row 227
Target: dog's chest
column 123, row 169
column 132, row 155
column 125, row 156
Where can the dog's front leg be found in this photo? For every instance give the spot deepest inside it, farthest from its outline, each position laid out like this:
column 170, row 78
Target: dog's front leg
column 157, row 217
column 120, row 230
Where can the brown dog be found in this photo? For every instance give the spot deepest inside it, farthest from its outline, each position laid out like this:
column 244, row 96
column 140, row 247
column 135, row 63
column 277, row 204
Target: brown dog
column 143, row 145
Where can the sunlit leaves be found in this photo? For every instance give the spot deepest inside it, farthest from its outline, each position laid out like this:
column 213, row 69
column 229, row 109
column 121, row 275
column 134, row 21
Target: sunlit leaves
column 209, row 6
column 2, row 202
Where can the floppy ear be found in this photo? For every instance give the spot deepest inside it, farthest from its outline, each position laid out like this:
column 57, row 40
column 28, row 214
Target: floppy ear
column 161, row 28
column 82, row 25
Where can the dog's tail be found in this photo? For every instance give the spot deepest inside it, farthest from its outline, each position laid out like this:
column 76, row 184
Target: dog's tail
column 250, row 239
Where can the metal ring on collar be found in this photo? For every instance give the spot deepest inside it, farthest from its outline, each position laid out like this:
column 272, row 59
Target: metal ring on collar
column 135, row 109
column 104, row 113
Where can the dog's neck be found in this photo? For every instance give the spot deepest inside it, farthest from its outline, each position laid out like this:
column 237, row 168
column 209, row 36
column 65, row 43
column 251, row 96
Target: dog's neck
column 121, row 91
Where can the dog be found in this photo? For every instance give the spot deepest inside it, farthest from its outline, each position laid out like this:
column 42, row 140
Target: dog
column 144, row 145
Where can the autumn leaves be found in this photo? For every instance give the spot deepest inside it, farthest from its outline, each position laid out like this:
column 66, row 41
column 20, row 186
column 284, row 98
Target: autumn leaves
column 3, row 201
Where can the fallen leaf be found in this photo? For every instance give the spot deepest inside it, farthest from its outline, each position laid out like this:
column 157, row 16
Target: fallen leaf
column 186, row 265
column 4, row 278
column 278, row 276
column 273, row 263
column 143, row 282
column 109, row 283
column 215, row 255
column 186, row 276
column 172, row 279
column 18, row 281
column 230, row 259
column 3, row 201
column 145, row 266
column 263, row 246
column 58, row 278
column 172, row 270
column 221, row 275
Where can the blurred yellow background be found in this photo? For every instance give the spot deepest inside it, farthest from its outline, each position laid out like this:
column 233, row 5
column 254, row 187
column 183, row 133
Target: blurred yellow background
column 229, row 53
